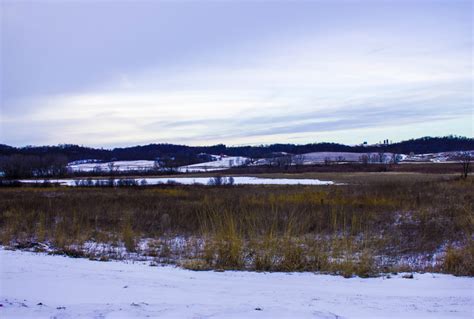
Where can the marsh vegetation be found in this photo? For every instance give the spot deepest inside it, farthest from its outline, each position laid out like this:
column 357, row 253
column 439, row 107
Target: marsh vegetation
column 381, row 223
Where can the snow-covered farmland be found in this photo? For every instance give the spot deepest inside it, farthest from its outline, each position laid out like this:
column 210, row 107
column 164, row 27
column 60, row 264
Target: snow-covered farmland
column 221, row 163
column 120, row 166
column 238, row 180
column 438, row 157
column 321, row 157
column 40, row 286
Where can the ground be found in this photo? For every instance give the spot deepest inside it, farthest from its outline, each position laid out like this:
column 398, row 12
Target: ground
column 36, row 285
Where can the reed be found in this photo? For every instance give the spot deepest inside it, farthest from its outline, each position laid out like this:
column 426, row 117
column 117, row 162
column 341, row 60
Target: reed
column 339, row 229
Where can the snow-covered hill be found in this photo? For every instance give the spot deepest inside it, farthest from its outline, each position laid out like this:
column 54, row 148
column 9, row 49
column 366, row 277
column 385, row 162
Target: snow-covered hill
column 221, row 163
column 438, row 157
column 321, row 157
column 120, row 166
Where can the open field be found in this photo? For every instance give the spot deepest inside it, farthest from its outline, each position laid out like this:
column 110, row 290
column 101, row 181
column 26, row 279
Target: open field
column 339, row 173
column 377, row 223
column 422, row 168
column 334, row 172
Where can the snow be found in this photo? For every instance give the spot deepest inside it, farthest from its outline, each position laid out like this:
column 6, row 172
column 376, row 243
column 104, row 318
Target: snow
column 221, row 163
column 321, row 157
column 238, row 180
column 41, row 286
column 441, row 157
column 121, row 166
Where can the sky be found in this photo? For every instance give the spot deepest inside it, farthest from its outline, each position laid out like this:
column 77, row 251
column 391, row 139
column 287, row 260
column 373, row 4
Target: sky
column 118, row 73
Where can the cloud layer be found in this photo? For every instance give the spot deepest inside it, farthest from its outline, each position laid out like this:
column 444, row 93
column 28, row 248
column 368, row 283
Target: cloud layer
column 343, row 73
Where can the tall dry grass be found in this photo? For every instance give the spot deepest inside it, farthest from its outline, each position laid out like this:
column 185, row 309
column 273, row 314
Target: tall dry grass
column 338, row 229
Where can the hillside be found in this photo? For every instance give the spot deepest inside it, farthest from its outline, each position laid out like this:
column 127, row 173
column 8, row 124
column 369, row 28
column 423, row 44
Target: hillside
column 186, row 155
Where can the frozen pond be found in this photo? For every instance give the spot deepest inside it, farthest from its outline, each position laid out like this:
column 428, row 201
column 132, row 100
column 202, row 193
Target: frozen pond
column 237, row 180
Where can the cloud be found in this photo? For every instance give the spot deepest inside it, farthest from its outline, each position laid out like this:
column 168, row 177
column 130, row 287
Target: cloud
column 331, row 78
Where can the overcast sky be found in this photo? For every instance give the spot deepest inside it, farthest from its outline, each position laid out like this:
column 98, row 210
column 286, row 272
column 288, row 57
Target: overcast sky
column 115, row 73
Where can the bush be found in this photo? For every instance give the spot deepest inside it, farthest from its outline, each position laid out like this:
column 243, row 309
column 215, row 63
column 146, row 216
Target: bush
column 216, row 181
column 128, row 238
column 459, row 261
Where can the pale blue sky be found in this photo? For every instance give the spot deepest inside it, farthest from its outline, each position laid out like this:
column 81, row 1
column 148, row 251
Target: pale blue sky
column 114, row 73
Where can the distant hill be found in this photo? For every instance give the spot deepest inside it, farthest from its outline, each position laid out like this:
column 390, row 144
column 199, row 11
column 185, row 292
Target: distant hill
column 190, row 154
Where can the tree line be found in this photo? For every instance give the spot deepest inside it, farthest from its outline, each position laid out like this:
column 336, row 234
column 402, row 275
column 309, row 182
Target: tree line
column 191, row 154
column 49, row 161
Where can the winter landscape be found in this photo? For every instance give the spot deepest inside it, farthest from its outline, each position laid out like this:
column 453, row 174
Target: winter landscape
column 129, row 290
column 236, row 159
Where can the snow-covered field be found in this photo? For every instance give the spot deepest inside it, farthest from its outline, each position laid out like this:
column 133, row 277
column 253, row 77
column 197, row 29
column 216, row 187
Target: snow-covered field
column 321, row 157
column 120, row 166
column 238, row 180
column 226, row 162
column 220, row 163
column 40, row 286
column 438, row 157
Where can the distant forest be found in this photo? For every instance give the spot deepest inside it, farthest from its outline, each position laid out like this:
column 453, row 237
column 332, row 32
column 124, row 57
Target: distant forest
column 189, row 154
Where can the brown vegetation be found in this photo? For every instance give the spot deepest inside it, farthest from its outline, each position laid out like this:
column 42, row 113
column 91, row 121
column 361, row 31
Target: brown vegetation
column 376, row 225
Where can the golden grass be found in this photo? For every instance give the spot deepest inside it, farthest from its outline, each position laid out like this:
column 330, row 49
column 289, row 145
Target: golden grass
column 338, row 229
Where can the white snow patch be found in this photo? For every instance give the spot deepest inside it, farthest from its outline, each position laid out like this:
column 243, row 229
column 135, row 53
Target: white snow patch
column 120, row 166
column 238, row 180
column 221, row 163
column 321, row 157
column 41, row 286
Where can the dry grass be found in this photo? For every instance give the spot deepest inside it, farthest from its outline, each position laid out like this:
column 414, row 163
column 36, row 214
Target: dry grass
column 337, row 229
column 460, row 261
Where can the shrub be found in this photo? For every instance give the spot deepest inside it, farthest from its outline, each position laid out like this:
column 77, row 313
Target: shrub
column 128, row 238
column 459, row 261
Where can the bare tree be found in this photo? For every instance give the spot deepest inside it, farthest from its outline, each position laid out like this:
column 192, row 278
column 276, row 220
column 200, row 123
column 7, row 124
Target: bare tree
column 374, row 158
column 156, row 165
column 284, row 161
column 381, row 156
column 298, row 160
column 327, row 161
column 395, row 158
column 340, row 159
column 281, row 161
column 466, row 164
column 97, row 169
column 216, row 181
column 24, row 166
column 364, row 159
column 168, row 164
column 112, row 168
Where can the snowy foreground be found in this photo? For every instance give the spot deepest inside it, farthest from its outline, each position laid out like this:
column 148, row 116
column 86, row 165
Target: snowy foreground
column 40, row 286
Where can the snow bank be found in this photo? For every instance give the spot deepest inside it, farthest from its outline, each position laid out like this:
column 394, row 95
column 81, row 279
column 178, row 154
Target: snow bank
column 238, row 180
column 41, row 286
